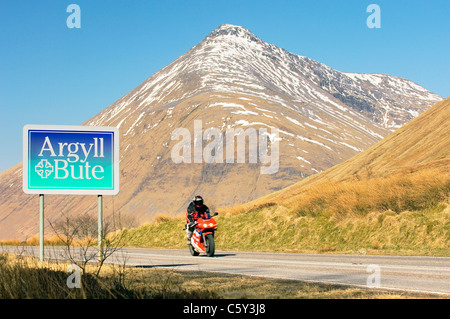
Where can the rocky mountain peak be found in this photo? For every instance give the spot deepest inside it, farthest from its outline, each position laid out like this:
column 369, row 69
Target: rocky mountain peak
column 231, row 30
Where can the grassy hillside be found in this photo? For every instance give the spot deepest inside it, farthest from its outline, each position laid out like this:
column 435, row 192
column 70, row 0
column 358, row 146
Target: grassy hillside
column 399, row 214
column 392, row 198
column 319, row 229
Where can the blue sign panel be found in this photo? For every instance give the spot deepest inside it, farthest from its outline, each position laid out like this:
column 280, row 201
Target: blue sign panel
column 70, row 160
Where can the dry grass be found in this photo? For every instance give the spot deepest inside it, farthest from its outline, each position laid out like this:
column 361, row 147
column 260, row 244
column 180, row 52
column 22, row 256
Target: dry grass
column 33, row 241
column 396, row 192
column 25, row 278
column 352, row 198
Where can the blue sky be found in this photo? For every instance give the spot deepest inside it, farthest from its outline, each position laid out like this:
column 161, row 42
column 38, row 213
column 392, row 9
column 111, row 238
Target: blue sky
column 50, row 74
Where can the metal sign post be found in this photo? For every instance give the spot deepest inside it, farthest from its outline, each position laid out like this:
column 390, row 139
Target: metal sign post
column 100, row 228
column 41, row 227
column 79, row 160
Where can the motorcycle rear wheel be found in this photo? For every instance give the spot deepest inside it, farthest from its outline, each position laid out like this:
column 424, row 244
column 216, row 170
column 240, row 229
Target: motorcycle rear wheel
column 192, row 251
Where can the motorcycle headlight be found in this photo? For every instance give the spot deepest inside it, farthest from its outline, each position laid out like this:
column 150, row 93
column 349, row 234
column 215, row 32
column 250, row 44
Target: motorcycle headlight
column 205, row 225
column 211, row 224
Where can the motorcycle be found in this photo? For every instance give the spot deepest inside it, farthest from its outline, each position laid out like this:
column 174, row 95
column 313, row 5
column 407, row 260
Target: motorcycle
column 202, row 240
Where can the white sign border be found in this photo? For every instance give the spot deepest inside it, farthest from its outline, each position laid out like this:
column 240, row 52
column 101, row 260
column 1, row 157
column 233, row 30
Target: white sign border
column 25, row 155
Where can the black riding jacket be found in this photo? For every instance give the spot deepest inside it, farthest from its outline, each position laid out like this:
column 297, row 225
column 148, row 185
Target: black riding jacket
column 194, row 212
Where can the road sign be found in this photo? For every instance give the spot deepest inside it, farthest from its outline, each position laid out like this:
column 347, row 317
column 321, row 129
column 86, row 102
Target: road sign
column 79, row 160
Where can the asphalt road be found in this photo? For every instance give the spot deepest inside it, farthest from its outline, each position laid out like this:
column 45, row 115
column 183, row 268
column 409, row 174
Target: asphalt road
column 414, row 274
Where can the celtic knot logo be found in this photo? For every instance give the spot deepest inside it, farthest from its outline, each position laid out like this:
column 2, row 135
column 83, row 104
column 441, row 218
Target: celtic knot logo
column 44, row 168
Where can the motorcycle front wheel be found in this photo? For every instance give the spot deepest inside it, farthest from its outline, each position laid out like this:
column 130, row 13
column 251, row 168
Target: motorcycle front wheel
column 210, row 246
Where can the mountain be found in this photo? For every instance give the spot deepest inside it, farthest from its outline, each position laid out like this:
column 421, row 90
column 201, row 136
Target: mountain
column 314, row 117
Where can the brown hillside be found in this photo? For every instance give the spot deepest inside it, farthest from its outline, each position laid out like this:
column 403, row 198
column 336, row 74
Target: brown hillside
column 418, row 154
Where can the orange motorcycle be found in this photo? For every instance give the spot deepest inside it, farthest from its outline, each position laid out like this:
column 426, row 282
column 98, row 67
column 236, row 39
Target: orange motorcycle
column 202, row 240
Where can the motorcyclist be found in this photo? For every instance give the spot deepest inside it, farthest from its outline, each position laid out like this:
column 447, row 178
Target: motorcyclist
column 195, row 210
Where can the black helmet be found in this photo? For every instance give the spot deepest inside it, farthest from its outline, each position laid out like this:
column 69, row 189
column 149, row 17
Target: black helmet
column 198, row 200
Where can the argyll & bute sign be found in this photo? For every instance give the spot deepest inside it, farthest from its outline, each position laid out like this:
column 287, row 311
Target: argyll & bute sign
column 70, row 160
